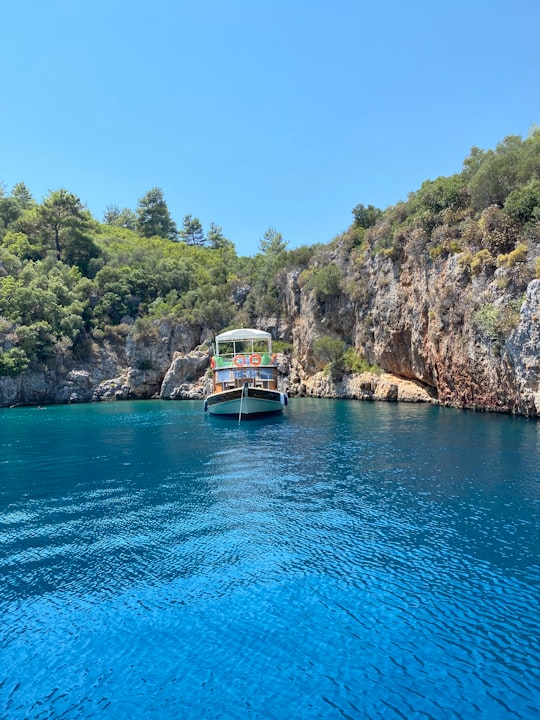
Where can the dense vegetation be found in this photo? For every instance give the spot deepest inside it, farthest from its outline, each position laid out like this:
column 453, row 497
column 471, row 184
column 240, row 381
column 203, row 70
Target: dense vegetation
column 68, row 280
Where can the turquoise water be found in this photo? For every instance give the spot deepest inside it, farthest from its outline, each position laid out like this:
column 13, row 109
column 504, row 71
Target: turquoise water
column 346, row 560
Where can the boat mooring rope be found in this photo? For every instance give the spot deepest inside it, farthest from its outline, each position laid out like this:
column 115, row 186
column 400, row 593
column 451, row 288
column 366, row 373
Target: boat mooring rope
column 241, row 401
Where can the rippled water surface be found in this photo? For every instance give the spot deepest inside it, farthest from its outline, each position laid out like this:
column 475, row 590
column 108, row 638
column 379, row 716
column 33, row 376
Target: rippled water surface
column 346, row 560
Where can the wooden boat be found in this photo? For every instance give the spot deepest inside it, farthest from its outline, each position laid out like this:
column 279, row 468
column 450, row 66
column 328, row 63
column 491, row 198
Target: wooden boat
column 245, row 376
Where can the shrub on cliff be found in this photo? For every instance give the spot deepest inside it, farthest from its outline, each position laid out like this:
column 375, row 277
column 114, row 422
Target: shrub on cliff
column 437, row 195
column 518, row 255
column 355, row 362
column 496, row 322
column 338, row 359
column 324, row 281
column 523, row 204
column 330, row 353
column 13, row 362
column 493, row 175
column 499, row 232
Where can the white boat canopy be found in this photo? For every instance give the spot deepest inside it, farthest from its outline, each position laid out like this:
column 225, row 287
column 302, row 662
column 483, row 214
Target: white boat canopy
column 243, row 334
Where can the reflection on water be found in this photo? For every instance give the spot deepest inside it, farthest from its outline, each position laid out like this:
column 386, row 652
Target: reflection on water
column 347, row 559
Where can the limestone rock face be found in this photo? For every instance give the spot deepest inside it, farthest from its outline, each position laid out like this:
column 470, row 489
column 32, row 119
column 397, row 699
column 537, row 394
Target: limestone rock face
column 451, row 329
column 523, row 352
column 362, row 386
column 184, row 380
column 133, row 367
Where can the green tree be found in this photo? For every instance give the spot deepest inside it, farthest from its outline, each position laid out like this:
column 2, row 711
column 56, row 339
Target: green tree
column 36, row 340
column 22, row 246
column 330, row 352
column 272, row 243
column 216, row 240
column 46, row 304
column 192, row 231
column 13, row 361
column 124, row 218
column 214, row 314
column 474, row 161
column 444, row 192
column 153, row 216
column 325, row 281
column 523, row 203
column 60, row 216
column 265, row 273
column 366, row 216
column 80, row 249
column 497, row 174
column 22, row 195
column 123, row 290
column 530, row 160
column 9, row 211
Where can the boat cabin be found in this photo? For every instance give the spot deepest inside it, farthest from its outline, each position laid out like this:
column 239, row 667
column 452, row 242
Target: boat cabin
column 244, row 357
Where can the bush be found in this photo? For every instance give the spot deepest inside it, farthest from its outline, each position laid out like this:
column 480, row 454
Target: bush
column 499, row 232
column 356, row 363
column 522, row 203
column 300, row 255
column 13, row 362
column 328, row 349
column 36, row 340
column 324, row 281
column 482, row 260
column 279, row 346
column 437, row 195
column 330, row 352
column 145, row 364
column 366, row 216
column 497, row 322
column 497, row 174
column 518, row 255
column 487, row 319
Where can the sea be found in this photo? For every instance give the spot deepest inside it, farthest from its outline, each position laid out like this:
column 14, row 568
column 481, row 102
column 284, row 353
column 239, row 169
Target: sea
column 346, row 559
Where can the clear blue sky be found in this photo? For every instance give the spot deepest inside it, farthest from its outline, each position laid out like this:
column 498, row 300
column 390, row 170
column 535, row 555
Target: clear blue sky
column 258, row 113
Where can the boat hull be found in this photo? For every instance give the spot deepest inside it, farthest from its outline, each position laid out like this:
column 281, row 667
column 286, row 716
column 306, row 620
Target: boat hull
column 245, row 402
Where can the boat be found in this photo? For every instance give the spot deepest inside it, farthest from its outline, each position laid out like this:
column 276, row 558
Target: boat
column 244, row 375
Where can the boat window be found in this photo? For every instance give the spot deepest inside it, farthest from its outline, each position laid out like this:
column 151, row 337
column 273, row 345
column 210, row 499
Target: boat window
column 245, row 373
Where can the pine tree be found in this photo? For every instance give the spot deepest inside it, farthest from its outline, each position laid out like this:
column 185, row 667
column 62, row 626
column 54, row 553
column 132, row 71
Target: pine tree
column 153, row 217
column 192, row 231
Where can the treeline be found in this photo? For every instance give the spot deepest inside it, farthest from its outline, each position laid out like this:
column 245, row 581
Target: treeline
column 153, row 219
column 68, row 280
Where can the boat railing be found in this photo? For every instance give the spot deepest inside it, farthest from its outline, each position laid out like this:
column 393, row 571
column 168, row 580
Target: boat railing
column 231, row 377
column 244, row 360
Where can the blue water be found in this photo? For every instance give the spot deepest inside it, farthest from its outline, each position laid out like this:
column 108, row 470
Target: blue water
column 346, row 560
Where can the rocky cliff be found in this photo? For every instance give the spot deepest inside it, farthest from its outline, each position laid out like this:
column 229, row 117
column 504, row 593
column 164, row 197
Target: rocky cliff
column 461, row 326
column 442, row 317
column 162, row 362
